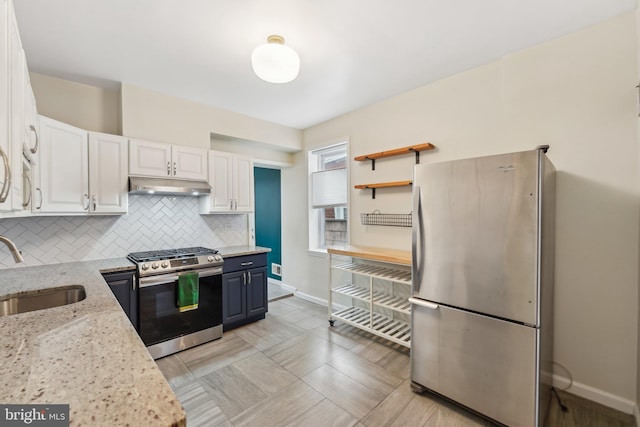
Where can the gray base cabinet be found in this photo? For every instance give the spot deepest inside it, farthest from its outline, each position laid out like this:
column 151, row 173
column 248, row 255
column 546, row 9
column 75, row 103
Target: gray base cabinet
column 244, row 290
column 123, row 286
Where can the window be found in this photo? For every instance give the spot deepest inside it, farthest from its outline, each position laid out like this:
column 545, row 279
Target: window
column 328, row 179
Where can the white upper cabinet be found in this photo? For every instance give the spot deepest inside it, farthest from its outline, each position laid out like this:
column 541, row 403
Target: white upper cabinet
column 189, row 162
column 14, row 196
column 243, row 184
column 63, row 167
column 81, row 172
column 160, row 160
column 231, row 180
column 108, row 173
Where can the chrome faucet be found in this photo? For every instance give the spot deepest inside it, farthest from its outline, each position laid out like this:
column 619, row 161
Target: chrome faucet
column 12, row 247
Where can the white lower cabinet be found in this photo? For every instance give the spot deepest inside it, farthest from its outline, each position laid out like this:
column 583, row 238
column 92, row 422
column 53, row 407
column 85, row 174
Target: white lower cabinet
column 372, row 297
column 231, row 180
column 78, row 176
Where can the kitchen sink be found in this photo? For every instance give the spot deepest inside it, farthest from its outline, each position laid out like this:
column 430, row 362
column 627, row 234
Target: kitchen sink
column 41, row 299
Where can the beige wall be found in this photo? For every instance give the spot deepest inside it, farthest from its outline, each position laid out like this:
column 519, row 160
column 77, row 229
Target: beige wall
column 84, row 106
column 576, row 94
column 151, row 115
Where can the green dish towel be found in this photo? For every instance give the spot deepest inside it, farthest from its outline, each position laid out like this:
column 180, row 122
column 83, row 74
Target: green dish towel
column 188, row 290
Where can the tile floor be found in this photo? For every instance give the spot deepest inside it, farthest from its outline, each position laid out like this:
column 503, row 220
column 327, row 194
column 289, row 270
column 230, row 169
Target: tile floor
column 292, row 369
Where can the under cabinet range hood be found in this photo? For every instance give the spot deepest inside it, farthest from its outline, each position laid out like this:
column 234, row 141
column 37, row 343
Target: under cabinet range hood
column 168, row 187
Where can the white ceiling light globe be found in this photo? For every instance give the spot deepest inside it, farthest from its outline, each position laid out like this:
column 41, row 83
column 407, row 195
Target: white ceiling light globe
column 274, row 62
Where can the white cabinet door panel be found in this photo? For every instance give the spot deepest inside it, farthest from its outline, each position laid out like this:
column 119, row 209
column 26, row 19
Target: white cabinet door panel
column 243, row 184
column 148, row 158
column 220, row 169
column 108, row 173
column 64, row 168
column 189, row 163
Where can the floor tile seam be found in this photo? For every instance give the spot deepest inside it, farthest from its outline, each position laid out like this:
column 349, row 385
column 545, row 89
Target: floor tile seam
column 291, row 416
column 337, row 403
column 223, row 366
column 383, row 400
column 394, row 387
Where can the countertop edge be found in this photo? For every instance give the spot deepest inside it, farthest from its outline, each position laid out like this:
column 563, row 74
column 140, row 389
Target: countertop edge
column 394, row 256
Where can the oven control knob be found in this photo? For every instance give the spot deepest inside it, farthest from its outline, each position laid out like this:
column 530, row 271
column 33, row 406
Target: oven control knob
column 210, row 258
column 154, row 265
column 218, row 258
column 164, row 264
column 145, row 266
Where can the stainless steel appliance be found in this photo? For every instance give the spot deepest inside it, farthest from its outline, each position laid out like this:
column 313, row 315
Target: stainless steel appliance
column 482, row 297
column 162, row 326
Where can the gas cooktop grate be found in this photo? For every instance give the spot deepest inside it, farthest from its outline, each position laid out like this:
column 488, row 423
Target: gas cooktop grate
column 169, row 254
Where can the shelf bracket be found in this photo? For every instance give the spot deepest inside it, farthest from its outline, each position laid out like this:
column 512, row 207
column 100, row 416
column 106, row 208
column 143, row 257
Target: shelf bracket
column 373, row 164
column 417, row 155
column 373, row 193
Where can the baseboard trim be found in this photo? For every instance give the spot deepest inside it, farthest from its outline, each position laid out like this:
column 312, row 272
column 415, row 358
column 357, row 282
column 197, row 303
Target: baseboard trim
column 283, row 285
column 596, row 395
column 310, row 298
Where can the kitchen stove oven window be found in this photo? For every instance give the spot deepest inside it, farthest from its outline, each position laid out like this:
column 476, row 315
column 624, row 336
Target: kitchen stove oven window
column 328, row 204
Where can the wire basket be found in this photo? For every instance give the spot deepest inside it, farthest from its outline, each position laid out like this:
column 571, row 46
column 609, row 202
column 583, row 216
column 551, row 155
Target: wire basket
column 392, row 220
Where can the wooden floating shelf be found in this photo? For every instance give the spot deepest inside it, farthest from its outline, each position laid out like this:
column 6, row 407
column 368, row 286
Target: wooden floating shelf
column 381, row 185
column 395, row 152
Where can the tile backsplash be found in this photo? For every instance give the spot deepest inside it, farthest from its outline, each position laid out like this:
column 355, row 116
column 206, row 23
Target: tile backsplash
column 153, row 222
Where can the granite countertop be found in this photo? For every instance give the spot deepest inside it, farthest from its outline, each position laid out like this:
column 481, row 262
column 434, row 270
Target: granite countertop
column 231, row 251
column 86, row 354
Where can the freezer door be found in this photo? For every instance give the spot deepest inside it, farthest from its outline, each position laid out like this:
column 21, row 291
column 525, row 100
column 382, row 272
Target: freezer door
column 476, row 234
column 486, row 364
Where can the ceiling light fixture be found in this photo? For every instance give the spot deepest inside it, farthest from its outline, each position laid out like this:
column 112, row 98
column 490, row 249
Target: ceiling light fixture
column 274, row 62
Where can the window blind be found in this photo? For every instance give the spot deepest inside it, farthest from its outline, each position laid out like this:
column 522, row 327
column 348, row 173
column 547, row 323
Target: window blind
column 329, row 188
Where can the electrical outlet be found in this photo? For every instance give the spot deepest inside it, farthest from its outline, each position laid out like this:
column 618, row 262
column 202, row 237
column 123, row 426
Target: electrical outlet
column 276, row 269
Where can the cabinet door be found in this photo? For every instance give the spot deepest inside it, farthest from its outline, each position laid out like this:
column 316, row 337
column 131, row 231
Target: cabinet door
column 234, row 296
column 256, row 291
column 123, row 287
column 31, row 140
column 243, row 184
column 220, row 171
column 189, row 162
column 64, row 167
column 108, row 173
column 16, row 113
column 149, row 158
column 5, row 118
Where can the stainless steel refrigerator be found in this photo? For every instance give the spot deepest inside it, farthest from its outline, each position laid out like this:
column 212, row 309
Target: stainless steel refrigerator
column 482, row 297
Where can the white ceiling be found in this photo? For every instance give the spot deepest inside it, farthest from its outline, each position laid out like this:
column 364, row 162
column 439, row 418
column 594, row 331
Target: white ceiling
column 353, row 52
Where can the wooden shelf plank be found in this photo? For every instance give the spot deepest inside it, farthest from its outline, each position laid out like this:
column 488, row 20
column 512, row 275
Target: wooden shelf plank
column 383, row 185
column 395, row 152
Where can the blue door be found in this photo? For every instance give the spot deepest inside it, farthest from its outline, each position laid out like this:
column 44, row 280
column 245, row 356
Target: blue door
column 268, row 226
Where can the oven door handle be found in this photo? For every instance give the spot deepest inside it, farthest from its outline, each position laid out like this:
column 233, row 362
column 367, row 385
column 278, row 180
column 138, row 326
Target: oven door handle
column 168, row 278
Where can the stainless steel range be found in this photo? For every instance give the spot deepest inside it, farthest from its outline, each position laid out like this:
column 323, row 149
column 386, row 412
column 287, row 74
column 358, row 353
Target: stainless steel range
column 163, row 327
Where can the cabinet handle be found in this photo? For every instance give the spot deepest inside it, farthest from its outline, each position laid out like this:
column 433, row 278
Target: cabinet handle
column 174, row 168
column 244, row 278
column 244, row 264
column 249, row 273
column 93, row 199
column 6, row 186
column 34, row 150
column 25, row 204
column 86, row 196
column 230, row 204
column 133, row 284
column 169, row 168
column 235, row 202
column 39, row 191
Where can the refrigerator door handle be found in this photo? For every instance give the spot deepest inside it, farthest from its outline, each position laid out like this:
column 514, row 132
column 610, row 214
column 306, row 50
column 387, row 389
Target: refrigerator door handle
column 415, row 239
column 423, row 303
